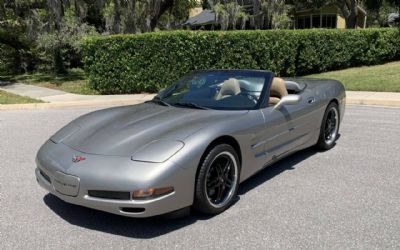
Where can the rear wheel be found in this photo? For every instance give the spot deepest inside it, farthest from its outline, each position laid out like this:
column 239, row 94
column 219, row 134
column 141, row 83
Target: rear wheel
column 329, row 127
column 217, row 180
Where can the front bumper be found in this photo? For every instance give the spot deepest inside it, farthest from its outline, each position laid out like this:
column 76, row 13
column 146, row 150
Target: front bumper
column 71, row 182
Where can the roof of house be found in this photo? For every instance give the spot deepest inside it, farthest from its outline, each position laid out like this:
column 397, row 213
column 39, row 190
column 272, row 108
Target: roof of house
column 393, row 17
column 203, row 18
column 314, row 9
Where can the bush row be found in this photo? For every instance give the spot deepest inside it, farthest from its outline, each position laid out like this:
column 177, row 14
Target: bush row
column 148, row 62
column 7, row 60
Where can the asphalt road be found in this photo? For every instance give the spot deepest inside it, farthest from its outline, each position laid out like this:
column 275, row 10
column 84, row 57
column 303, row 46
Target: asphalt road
column 348, row 197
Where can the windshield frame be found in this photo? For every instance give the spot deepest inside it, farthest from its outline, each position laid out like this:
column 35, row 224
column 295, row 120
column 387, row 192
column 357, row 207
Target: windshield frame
column 267, row 75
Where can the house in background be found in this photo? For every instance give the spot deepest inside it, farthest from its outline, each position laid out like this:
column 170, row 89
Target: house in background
column 326, row 17
column 206, row 20
column 195, row 11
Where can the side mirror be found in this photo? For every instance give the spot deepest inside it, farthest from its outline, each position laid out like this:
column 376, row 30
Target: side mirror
column 161, row 91
column 288, row 100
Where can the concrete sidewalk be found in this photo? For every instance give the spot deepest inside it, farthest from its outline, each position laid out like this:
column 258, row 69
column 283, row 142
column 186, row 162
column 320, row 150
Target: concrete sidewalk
column 59, row 99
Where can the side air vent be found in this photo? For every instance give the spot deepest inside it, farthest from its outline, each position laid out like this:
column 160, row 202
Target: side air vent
column 113, row 195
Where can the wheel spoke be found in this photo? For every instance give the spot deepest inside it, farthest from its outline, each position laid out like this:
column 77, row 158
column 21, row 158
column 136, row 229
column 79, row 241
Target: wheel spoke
column 227, row 168
column 219, row 170
column 212, row 183
column 220, row 192
column 228, row 182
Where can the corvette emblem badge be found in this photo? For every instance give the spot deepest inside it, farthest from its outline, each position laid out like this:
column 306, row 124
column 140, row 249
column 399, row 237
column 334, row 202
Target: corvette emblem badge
column 78, row 158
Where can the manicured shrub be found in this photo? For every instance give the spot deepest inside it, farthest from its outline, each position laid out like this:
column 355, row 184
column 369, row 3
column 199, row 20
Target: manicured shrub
column 148, row 62
column 8, row 60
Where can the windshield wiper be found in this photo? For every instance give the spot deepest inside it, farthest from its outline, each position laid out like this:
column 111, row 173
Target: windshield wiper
column 158, row 100
column 189, row 105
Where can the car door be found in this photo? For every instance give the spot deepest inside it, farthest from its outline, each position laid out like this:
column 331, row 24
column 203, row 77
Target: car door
column 277, row 132
column 288, row 127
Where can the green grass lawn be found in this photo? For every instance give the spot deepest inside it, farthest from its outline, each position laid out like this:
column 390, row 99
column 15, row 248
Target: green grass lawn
column 381, row 78
column 74, row 81
column 7, row 98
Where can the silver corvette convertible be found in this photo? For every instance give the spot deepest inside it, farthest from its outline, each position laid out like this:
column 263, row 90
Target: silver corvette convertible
column 192, row 145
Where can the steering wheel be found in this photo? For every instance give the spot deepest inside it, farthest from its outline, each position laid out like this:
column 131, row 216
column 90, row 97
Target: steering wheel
column 249, row 96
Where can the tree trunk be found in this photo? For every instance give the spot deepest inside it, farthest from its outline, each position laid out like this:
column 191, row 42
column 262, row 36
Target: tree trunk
column 257, row 16
column 349, row 10
column 130, row 21
column 351, row 22
column 59, row 67
column 117, row 17
column 164, row 6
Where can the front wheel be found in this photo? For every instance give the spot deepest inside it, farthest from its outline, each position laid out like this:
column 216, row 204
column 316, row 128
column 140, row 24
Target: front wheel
column 329, row 127
column 217, row 180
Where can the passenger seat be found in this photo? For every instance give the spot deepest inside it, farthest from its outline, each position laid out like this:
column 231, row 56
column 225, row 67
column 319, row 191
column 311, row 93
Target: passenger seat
column 277, row 91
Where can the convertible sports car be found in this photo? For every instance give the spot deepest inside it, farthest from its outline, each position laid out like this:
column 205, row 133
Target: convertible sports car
column 192, row 145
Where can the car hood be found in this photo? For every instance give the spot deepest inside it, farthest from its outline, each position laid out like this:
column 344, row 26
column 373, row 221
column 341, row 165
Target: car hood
column 122, row 131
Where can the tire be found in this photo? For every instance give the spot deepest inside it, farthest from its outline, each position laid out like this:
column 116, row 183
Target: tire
column 217, row 183
column 329, row 127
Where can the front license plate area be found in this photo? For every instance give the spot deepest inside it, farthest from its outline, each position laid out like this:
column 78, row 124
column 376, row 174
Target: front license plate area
column 66, row 184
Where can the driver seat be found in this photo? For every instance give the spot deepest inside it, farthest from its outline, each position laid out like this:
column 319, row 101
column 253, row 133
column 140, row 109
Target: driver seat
column 277, row 91
column 230, row 87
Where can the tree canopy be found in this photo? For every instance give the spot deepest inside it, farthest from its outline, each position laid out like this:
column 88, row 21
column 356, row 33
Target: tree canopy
column 43, row 34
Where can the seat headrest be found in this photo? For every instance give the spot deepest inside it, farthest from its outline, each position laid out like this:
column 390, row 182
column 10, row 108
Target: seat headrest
column 278, row 88
column 229, row 87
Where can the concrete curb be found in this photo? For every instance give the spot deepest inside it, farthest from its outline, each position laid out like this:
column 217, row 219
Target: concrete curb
column 374, row 102
column 390, row 99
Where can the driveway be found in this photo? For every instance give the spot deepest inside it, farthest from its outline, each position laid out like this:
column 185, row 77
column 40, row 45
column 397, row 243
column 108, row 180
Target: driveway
column 348, row 197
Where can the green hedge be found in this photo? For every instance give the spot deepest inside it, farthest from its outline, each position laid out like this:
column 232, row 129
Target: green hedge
column 148, row 62
column 8, row 62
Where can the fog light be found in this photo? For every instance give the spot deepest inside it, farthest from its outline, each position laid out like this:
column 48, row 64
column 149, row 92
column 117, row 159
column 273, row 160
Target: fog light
column 151, row 192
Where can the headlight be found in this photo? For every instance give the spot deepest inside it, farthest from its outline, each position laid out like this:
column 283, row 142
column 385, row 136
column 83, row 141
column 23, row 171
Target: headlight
column 157, row 151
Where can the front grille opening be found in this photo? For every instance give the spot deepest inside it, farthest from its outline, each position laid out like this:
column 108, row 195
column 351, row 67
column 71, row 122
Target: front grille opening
column 113, row 195
column 45, row 176
column 133, row 210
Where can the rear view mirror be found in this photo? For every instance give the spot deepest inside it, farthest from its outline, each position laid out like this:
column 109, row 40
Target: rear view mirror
column 288, row 100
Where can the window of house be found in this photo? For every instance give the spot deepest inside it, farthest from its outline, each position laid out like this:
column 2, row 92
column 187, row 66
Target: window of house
column 303, row 22
column 328, row 21
column 316, row 21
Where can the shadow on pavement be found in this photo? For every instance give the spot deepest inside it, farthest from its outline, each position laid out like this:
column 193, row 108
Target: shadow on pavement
column 114, row 224
column 275, row 169
column 156, row 226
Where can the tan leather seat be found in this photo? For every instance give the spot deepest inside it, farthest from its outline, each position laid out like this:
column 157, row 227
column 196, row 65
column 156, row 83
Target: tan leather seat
column 277, row 91
column 230, row 87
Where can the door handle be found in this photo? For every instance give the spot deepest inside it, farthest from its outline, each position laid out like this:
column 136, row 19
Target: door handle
column 311, row 100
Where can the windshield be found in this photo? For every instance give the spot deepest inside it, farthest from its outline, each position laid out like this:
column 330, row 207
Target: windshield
column 231, row 90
